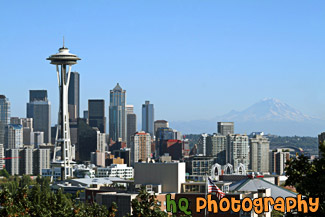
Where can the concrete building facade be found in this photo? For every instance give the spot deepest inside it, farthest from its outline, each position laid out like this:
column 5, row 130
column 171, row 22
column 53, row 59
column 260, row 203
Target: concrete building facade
column 140, row 147
column 169, row 175
column 225, row 128
column 4, row 116
column 237, row 150
column 259, row 153
column 39, row 108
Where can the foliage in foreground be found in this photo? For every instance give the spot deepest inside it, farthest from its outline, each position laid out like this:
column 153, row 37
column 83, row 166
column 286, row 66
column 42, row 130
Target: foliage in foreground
column 308, row 178
column 17, row 199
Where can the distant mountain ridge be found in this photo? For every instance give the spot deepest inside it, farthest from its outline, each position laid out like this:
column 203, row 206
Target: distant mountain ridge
column 268, row 115
column 268, row 109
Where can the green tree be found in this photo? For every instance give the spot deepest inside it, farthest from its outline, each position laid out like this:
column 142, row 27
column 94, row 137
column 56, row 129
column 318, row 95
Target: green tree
column 17, row 199
column 308, row 177
column 4, row 173
column 146, row 204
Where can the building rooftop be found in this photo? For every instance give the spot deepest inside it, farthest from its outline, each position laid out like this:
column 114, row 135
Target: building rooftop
column 258, row 183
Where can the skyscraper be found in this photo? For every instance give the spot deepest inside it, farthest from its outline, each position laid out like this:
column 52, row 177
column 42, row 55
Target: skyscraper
column 74, row 95
column 39, row 108
column 96, row 114
column 216, row 146
column 4, row 116
column 225, row 128
column 237, row 150
column 140, row 147
column 160, row 124
column 117, row 114
column 13, row 136
column 131, row 123
column 148, row 118
column 87, row 140
column 259, row 153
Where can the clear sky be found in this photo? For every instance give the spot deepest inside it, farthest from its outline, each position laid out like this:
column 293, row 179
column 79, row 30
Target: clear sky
column 192, row 59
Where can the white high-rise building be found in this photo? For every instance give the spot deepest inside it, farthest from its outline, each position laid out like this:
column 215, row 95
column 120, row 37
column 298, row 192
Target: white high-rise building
column 26, row 161
column 237, row 150
column 12, row 164
column 140, row 147
column 13, row 136
column 2, row 155
column 259, row 153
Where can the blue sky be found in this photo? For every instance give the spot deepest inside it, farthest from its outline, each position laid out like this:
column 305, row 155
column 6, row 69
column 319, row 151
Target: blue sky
column 192, row 59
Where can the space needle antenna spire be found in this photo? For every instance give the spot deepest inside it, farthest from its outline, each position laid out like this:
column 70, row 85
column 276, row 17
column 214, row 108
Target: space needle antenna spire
column 63, row 61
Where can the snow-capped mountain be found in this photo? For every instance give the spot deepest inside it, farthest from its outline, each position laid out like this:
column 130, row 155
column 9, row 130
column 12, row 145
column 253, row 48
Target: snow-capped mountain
column 268, row 109
column 268, row 115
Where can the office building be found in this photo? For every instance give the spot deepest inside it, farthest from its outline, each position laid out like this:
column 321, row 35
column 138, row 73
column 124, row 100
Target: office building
column 198, row 166
column 160, row 124
column 101, row 142
column 259, row 153
column 115, row 170
column 237, row 150
column 96, row 114
column 131, row 123
column 173, row 148
column 27, row 124
column 74, row 95
column 38, row 95
column 277, row 161
column 202, row 144
column 165, row 134
column 140, row 147
column 37, row 139
column 125, row 154
column 87, row 140
column 117, row 114
column 97, row 158
column 169, row 176
column 4, row 116
column 41, row 160
column 216, row 146
column 39, row 108
column 2, row 156
column 148, row 118
column 86, row 114
column 12, row 161
column 26, row 161
column 13, row 136
column 225, row 128
column 16, row 120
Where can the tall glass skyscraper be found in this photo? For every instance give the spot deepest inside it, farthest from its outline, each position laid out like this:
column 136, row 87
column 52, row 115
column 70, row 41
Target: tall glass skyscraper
column 117, row 114
column 74, row 95
column 4, row 116
column 148, row 118
column 96, row 114
column 39, row 108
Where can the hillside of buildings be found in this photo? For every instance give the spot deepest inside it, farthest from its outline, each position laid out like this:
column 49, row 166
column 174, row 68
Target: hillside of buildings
column 309, row 145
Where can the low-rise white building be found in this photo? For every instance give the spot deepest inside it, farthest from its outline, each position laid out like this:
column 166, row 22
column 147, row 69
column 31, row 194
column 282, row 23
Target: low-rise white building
column 116, row 170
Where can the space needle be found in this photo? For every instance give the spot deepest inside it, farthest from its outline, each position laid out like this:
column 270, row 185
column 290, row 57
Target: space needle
column 63, row 61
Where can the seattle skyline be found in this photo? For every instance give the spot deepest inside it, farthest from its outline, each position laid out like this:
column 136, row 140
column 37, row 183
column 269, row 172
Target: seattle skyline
column 205, row 62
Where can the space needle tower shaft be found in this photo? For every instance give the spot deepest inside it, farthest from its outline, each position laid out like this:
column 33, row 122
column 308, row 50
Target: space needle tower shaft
column 63, row 61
